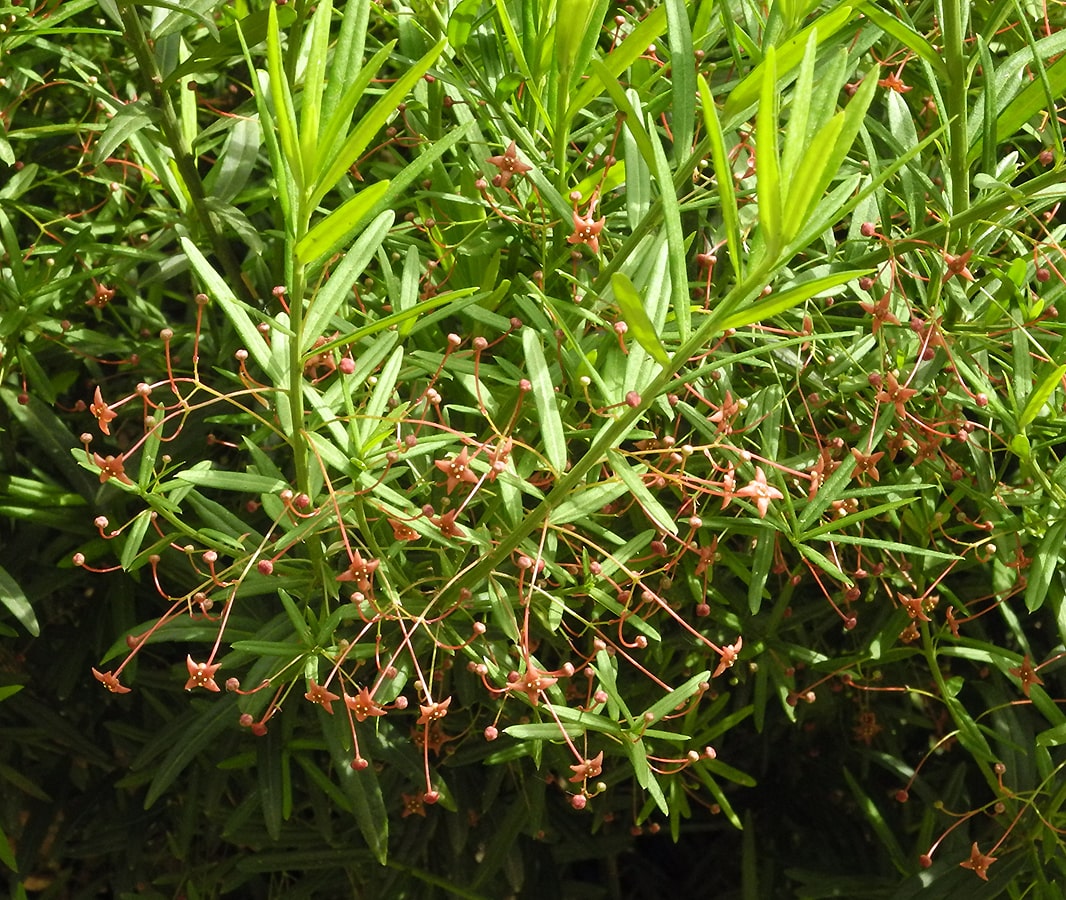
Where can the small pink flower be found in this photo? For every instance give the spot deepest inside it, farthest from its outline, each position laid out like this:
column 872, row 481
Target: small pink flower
column 760, row 492
column 112, row 467
column 509, row 164
column 730, row 652
column 363, row 706
column 978, row 862
column 201, row 675
column 586, row 229
column 457, row 469
column 433, row 712
column 590, row 768
column 321, row 695
column 360, row 571
column 104, row 413
column 110, row 682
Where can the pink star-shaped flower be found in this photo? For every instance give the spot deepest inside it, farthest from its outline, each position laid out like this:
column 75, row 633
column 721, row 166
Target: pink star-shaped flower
column 360, row 571
column 432, row 712
column 978, row 862
column 457, row 469
column 587, row 229
column 321, row 695
column 760, row 492
column 362, row 705
column 112, row 683
column 111, row 467
column 201, row 675
column 590, row 768
column 104, row 413
column 730, row 652
column 509, row 165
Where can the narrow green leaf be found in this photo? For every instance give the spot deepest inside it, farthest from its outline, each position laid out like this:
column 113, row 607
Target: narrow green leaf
column 551, row 422
column 328, row 301
column 360, row 787
column 675, row 698
column 788, row 56
column 636, row 486
column 620, row 58
column 682, row 78
column 150, row 449
column 7, row 857
column 17, row 603
column 1044, row 566
column 636, row 318
column 825, row 156
column 329, row 232
column 723, row 177
column 544, row 731
column 347, row 59
column 131, row 545
column 370, row 124
column 824, row 563
column 200, row 725
column 339, row 120
column 777, row 303
column 314, row 84
column 284, row 110
column 1040, row 396
column 675, row 239
column 245, row 482
column 762, row 560
column 461, row 22
column 799, row 114
column 269, row 775
column 877, row 821
column 768, row 178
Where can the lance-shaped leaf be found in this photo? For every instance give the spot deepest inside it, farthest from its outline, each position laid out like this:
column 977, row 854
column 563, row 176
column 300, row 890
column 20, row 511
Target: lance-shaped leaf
column 636, row 318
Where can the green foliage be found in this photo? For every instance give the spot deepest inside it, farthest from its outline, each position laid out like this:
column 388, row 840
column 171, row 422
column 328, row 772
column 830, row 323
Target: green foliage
column 531, row 433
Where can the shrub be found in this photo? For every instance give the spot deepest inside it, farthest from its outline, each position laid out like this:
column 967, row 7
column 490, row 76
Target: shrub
column 542, row 427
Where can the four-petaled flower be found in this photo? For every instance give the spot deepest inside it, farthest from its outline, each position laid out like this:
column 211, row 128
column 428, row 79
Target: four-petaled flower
column 915, row 607
column 101, row 296
column 111, row 467
column 590, row 768
column 110, row 682
column 979, row 863
column 432, row 712
column 866, row 464
column 1027, row 674
column 724, row 415
column 894, row 82
column 201, row 675
column 880, row 312
column 509, row 164
column 759, row 491
column 413, row 805
column 532, row 682
column 362, row 705
column 893, row 392
column 730, row 652
column 360, row 571
column 104, row 413
column 321, row 695
column 586, row 228
column 457, row 469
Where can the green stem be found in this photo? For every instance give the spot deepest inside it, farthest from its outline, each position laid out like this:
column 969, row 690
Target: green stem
column 955, row 99
column 183, row 159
